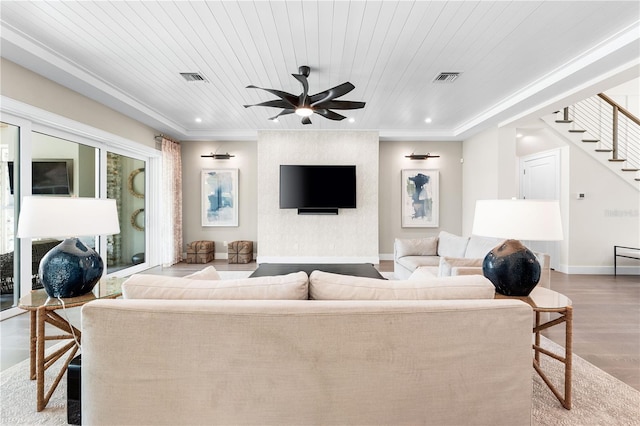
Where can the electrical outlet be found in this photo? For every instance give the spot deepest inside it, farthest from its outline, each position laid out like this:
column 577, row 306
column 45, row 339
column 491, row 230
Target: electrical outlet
column 224, row 243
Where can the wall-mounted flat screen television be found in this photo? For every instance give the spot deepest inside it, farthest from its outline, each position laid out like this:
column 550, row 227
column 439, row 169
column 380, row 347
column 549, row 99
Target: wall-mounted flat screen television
column 317, row 187
column 48, row 177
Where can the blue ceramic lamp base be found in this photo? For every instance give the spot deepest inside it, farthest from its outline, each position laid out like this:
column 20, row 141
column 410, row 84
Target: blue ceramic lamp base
column 512, row 268
column 70, row 269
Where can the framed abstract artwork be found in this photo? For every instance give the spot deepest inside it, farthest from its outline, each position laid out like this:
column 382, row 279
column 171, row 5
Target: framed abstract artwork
column 219, row 197
column 420, row 198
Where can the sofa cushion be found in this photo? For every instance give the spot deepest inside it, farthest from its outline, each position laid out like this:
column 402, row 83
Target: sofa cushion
column 478, row 247
column 328, row 286
column 451, row 245
column 293, row 286
column 424, row 272
column 208, row 273
column 447, row 263
column 413, row 262
column 416, row 247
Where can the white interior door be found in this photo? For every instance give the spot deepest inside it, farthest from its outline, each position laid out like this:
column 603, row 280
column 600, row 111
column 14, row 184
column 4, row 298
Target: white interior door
column 540, row 180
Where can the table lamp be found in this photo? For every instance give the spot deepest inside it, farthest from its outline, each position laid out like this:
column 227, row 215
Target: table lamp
column 71, row 268
column 511, row 267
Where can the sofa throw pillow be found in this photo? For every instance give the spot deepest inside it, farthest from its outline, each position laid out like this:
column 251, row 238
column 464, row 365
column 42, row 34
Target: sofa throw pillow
column 451, row 245
column 293, row 286
column 416, row 247
column 328, row 286
column 446, row 263
column 208, row 273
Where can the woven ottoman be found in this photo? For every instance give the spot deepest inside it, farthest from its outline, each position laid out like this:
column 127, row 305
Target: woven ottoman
column 240, row 251
column 200, row 251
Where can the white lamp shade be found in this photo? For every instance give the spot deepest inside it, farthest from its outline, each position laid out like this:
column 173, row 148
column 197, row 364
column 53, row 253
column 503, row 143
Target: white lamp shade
column 533, row 220
column 62, row 217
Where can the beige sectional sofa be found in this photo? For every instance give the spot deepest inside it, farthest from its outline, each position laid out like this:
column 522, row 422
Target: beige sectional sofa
column 449, row 254
column 410, row 254
column 439, row 351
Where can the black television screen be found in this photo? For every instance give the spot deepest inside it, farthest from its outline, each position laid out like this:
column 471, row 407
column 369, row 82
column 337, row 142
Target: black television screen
column 51, row 177
column 317, row 187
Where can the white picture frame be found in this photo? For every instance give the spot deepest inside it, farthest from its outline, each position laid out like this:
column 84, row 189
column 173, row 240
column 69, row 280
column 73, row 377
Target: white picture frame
column 420, row 198
column 219, row 197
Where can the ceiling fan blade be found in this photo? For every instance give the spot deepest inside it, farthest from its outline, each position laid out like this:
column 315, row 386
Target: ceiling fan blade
column 329, row 114
column 306, row 120
column 340, row 105
column 277, row 103
column 305, row 88
column 283, row 112
column 334, row 92
column 292, row 100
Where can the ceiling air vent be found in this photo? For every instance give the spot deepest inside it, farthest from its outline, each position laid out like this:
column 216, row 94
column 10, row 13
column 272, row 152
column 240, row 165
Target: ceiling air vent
column 193, row 76
column 446, row 77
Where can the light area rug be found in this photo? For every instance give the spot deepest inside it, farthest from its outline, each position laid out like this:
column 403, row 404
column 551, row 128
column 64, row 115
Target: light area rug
column 598, row 398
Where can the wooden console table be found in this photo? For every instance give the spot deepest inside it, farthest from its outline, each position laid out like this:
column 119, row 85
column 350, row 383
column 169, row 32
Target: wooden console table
column 543, row 300
column 42, row 309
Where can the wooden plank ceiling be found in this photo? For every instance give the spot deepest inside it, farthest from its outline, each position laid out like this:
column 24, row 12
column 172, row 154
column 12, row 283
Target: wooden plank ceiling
column 129, row 55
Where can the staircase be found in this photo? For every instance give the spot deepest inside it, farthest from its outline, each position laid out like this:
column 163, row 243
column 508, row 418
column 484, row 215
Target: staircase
column 606, row 131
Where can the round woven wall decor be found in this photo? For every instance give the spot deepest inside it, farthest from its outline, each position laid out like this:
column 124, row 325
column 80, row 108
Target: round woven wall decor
column 132, row 176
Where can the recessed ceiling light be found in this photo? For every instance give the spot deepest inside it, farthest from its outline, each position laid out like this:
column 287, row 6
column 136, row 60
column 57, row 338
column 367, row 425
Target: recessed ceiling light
column 518, row 135
column 427, row 120
column 198, row 120
column 352, row 120
column 275, row 120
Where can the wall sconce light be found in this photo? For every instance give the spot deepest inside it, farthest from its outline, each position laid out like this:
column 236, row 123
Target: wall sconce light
column 413, row 156
column 225, row 156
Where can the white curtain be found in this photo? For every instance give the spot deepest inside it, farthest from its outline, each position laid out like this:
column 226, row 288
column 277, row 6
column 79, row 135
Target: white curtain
column 171, row 203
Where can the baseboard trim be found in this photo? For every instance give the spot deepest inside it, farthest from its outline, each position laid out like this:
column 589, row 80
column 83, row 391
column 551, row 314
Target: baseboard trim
column 601, row 270
column 318, row 259
column 386, row 256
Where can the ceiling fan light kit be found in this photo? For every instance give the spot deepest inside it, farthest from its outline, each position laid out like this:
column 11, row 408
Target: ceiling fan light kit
column 304, row 112
column 305, row 105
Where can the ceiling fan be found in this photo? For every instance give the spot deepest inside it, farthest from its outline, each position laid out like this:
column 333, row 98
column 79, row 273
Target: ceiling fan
column 304, row 105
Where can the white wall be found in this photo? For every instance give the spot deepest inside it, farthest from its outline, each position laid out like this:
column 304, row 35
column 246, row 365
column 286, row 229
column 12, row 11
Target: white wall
column 627, row 95
column 350, row 236
column 609, row 215
column 479, row 173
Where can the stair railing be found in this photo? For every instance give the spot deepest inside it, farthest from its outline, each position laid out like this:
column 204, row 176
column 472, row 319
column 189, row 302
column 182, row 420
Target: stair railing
column 617, row 130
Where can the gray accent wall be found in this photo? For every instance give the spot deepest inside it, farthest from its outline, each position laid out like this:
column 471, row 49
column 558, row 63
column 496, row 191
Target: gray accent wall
column 392, row 162
column 26, row 86
column 245, row 161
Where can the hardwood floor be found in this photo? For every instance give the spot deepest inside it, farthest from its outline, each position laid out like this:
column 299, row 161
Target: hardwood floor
column 606, row 323
column 606, row 326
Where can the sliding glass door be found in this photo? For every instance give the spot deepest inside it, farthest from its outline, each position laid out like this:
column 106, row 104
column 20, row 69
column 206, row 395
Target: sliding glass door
column 42, row 154
column 9, row 197
column 126, row 183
